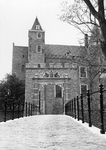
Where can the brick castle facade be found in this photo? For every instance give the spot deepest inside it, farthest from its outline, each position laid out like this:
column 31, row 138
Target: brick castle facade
column 53, row 74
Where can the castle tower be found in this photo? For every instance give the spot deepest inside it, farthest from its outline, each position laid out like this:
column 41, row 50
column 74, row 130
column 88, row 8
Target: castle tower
column 36, row 43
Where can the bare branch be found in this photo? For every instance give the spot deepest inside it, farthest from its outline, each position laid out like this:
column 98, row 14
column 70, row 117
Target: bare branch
column 76, row 26
column 84, row 14
column 91, row 8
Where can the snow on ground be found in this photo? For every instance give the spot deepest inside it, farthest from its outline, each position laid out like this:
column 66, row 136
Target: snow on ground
column 48, row 132
column 93, row 129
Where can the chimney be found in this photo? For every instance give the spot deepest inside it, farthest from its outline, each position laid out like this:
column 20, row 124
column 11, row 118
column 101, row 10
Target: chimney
column 86, row 40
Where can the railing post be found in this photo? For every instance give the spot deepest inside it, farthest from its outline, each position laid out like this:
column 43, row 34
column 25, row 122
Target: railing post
column 23, row 105
column 89, row 108
column 78, row 107
column 74, row 108
column 63, row 104
column 82, row 109
column 39, row 102
column 13, row 109
column 26, row 109
column 5, row 109
column 70, row 107
column 29, row 109
column 102, row 131
column 18, row 109
column 32, row 109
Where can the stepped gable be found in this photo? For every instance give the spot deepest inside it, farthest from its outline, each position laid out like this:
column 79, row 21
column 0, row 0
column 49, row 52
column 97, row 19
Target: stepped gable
column 63, row 49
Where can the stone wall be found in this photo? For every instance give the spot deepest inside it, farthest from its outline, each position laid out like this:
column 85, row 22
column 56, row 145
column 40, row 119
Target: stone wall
column 33, row 55
column 19, row 60
column 69, row 82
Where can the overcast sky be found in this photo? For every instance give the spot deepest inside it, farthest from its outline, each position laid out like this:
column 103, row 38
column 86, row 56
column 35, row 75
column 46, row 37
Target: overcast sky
column 18, row 16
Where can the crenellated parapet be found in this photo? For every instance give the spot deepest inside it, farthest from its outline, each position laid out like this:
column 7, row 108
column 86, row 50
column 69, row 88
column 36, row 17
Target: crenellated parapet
column 51, row 65
column 67, row 57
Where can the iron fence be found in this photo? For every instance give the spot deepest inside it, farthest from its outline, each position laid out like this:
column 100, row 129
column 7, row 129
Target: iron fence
column 12, row 109
column 89, row 109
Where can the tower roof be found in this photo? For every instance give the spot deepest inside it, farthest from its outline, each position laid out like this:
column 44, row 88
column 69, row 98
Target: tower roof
column 36, row 25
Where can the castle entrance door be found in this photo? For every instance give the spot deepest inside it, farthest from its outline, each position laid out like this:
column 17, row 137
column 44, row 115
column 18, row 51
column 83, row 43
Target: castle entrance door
column 53, row 105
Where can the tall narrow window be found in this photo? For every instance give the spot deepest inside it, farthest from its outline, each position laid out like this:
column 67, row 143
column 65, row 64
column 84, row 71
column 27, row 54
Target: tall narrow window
column 58, row 91
column 23, row 68
column 35, row 91
column 83, row 72
column 83, row 89
column 39, row 35
column 39, row 48
column 37, row 27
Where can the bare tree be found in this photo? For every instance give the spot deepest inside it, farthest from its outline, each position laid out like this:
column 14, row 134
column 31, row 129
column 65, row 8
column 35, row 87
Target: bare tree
column 84, row 14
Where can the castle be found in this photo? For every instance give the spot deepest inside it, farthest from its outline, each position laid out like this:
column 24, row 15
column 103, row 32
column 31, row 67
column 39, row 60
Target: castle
column 53, row 74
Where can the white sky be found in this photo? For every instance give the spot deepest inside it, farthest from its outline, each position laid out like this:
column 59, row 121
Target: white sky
column 18, row 16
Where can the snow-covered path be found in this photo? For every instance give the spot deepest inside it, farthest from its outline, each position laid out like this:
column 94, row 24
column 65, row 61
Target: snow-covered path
column 48, row 132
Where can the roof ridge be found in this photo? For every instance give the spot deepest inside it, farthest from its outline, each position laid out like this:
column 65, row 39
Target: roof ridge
column 20, row 46
column 63, row 45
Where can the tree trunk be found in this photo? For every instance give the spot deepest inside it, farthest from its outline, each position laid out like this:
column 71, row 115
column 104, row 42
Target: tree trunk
column 100, row 16
column 103, row 46
column 102, row 23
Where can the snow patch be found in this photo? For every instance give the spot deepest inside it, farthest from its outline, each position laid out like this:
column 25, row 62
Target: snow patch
column 93, row 129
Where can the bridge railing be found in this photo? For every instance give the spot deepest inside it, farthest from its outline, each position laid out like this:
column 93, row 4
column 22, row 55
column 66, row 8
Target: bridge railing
column 12, row 109
column 90, row 109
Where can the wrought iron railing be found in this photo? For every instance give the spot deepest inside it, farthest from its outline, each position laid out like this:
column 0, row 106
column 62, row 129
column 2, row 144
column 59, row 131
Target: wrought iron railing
column 89, row 109
column 12, row 109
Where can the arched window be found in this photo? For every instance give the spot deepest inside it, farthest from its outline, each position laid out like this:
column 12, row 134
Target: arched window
column 39, row 35
column 37, row 27
column 23, row 68
column 58, row 91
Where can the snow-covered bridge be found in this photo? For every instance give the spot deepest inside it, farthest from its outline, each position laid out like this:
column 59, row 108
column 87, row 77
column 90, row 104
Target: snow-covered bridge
column 49, row 132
